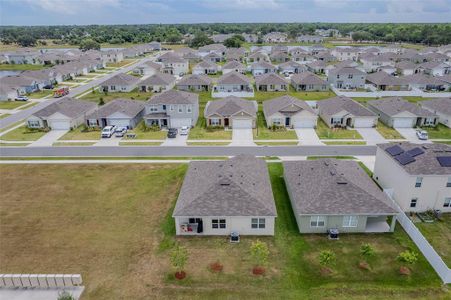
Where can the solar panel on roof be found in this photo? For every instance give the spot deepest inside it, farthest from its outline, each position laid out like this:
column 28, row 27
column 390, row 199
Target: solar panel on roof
column 444, row 161
column 394, row 150
column 415, row 152
column 404, row 159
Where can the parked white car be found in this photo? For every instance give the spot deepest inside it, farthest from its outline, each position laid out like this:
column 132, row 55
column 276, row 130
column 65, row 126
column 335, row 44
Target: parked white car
column 422, row 135
column 108, row 131
column 21, row 98
column 184, row 130
column 120, row 131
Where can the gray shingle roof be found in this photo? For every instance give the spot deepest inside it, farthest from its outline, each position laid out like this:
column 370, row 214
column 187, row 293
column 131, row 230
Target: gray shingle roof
column 382, row 78
column 121, row 79
column 229, row 106
column 334, row 187
column 307, row 78
column 174, row 97
column 234, row 78
column 440, row 105
column 426, row 163
column 233, row 65
column 284, row 103
column 158, row 79
column 239, row 186
column 270, row 78
column 206, row 65
column 335, row 105
column 395, row 105
column 346, row 70
column 195, row 80
column 70, row 107
column 422, row 79
column 263, row 65
column 128, row 107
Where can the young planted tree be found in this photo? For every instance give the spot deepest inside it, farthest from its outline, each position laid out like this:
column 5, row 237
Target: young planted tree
column 326, row 260
column 408, row 257
column 367, row 251
column 179, row 257
column 259, row 254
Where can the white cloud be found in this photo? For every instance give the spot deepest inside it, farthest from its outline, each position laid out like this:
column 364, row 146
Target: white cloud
column 242, row 4
column 72, row 6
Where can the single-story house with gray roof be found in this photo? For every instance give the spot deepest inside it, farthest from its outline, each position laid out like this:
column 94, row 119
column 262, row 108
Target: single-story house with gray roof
column 441, row 107
column 64, row 114
column 120, row 83
column 157, row 83
column 221, row 197
column 289, row 112
column 342, row 111
column 205, row 67
column 307, row 81
column 198, row 83
column 336, row 194
column 233, row 65
column 119, row 112
column 262, row 67
column 231, row 112
column 271, row 82
column 399, row 113
column 385, row 82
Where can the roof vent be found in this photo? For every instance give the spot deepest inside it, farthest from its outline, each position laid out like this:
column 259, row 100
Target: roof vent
column 224, row 182
column 332, row 173
column 341, row 181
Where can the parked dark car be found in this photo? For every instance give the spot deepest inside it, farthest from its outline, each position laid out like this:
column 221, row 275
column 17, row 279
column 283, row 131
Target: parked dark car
column 172, row 133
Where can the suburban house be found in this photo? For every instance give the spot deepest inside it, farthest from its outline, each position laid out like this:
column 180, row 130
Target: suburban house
column 405, row 68
column 23, row 57
column 213, row 57
column 271, row 82
column 372, row 62
column 64, row 114
column 346, row 53
column 258, row 56
column 347, row 78
column 336, row 194
column 147, row 68
column 197, row 83
column 418, row 177
column 233, row 84
column 308, row 81
column 386, row 82
column 344, row 112
column 157, row 83
column 172, row 109
column 313, row 39
column 155, row 46
column 235, row 66
column 441, row 107
column 433, row 68
column 318, row 67
column 119, row 112
column 279, row 57
column 262, row 67
column 120, row 83
column 174, row 64
column 425, row 82
column 391, row 70
column 231, row 112
column 112, row 56
column 275, row 37
column 205, row 67
column 399, row 113
column 291, row 67
column 216, row 48
column 220, row 38
column 7, row 92
column 22, row 84
column 289, row 112
column 235, row 54
column 225, row 197
column 301, row 56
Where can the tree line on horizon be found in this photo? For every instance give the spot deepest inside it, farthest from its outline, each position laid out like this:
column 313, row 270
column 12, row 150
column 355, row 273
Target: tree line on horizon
column 427, row 34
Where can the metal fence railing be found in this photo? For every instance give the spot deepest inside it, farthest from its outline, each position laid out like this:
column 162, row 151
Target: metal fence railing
column 39, row 280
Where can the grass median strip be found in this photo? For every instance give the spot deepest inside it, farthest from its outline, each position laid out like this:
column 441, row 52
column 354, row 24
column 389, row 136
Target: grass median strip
column 74, row 144
column 324, row 132
column 140, row 143
column 338, row 143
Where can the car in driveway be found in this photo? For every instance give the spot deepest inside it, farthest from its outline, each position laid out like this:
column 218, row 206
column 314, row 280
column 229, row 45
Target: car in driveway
column 108, row 131
column 21, row 98
column 422, row 134
column 120, row 132
column 172, row 133
column 184, row 130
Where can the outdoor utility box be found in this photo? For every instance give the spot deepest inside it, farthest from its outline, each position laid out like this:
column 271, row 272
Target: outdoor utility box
column 234, row 237
column 333, row 234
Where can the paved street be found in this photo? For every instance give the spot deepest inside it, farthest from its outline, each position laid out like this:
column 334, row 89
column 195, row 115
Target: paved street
column 73, row 92
column 126, row 151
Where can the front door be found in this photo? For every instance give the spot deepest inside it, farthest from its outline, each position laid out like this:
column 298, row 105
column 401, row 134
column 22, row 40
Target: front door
column 226, row 122
column 349, row 122
column 287, row 121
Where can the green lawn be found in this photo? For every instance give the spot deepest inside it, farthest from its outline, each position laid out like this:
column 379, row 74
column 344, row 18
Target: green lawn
column 338, row 143
column 134, row 95
column 263, row 133
column 438, row 132
column 80, row 133
column 2, row 116
column 324, row 132
column 20, row 67
column 13, row 144
column 12, row 104
column 388, row 132
column 200, row 132
column 120, row 64
column 142, row 133
column 40, row 94
column 439, row 235
column 23, row 133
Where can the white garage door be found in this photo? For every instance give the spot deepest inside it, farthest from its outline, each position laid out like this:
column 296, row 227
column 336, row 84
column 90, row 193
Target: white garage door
column 242, row 123
column 304, row 123
column 363, row 123
column 403, row 123
column 119, row 122
column 59, row 124
column 177, row 123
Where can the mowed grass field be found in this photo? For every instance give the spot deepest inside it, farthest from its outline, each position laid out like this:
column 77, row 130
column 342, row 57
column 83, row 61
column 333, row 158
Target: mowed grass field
column 113, row 224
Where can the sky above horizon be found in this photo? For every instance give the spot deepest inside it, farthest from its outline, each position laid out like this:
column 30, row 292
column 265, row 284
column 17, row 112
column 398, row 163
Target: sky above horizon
column 84, row 12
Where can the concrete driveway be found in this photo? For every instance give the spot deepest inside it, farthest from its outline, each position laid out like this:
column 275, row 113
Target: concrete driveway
column 180, row 140
column 242, row 137
column 371, row 136
column 49, row 138
column 112, row 141
column 410, row 135
column 308, row 136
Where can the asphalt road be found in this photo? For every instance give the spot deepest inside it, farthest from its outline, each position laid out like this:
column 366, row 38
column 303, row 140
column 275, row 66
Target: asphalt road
column 124, row 151
column 73, row 92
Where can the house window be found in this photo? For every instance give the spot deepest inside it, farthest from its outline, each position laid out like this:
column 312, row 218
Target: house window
column 447, row 202
column 338, row 76
column 277, row 121
column 215, row 122
column 350, row 221
column 448, row 184
column 153, row 108
column 34, row 124
column 317, row 221
column 429, row 121
column 258, row 223
column 413, row 202
column 189, row 108
column 418, row 182
column 218, row 223
column 350, row 76
column 335, row 121
column 180, row 108
column 113, row 88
